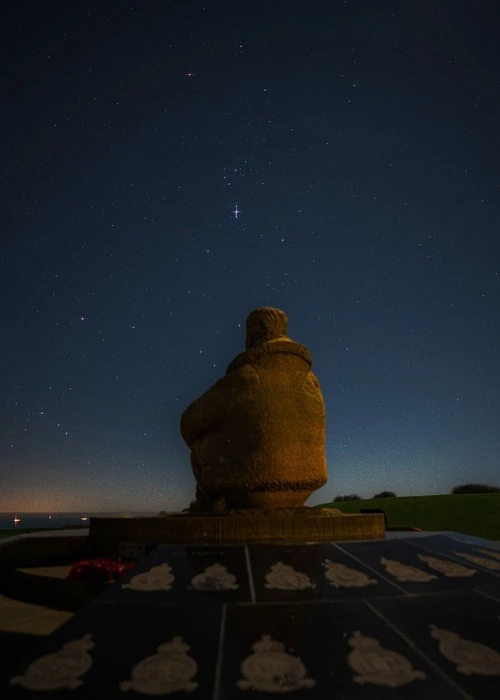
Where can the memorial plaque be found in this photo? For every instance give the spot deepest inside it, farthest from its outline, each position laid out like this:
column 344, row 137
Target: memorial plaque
column 312, row 572
column 190, row 575
column 110, row 649
column 322, row 650
column 485, row 558
column 459, row 631
column 417, row 570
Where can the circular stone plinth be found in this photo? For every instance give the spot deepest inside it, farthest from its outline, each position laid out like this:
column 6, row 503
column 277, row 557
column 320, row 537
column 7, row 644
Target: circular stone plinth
column 301, row 512
column 249, row 526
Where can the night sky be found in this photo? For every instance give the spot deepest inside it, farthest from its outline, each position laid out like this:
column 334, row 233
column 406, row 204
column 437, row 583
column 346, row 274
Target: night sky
column 169, row 166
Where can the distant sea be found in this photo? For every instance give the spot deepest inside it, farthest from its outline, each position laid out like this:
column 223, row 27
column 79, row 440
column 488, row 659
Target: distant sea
column 20, row 521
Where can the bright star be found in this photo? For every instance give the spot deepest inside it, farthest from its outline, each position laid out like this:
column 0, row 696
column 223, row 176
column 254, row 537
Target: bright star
column 236, row 212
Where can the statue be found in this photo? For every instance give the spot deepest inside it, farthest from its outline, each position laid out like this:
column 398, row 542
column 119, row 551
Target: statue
column 257, row 436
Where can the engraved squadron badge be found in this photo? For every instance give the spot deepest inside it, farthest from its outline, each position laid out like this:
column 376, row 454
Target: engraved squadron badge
column 480, row 561
column 404, row 572
column 379, row 666
column 158, row 578
column 214, row 578
column 271, row 670
column 342, row 576
column 490, row 553
column 449, row 568
column 167, row 671
column 60, row 669
column 471, row 657
column 286, row 578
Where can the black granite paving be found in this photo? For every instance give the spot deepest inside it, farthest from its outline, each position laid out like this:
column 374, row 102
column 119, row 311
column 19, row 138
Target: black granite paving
column 376, row 620
column 327, row 572
column 426, row 572
column 322, row 635
column 484, row 558
column 203, row 574
column 124, row 635
column 459, row 631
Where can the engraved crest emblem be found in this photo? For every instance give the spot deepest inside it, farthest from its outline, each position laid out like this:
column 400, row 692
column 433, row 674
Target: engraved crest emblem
column 286, row 578
column 470, row 657
column 60, row 669
column 167, row 671
column 214, row 578
column 379, row 666
column 449, row 568
column 480, row 561
column 490, row 553
column 271, row 670
column 158, row 578
column 404, row 572
column 339, row 575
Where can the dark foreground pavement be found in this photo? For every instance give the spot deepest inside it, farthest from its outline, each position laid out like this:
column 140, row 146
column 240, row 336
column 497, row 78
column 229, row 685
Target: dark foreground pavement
column 414, row 616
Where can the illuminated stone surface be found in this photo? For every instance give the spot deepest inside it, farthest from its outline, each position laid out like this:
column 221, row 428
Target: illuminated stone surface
column 257, row 436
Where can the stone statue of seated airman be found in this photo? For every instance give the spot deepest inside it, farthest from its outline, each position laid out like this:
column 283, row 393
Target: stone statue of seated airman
column 257, row 436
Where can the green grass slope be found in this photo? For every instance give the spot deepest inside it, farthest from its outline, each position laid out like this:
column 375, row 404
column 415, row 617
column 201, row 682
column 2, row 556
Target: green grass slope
column 473, row 514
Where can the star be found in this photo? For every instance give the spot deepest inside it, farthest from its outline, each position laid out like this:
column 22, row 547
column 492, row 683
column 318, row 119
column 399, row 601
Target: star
column 236, row 211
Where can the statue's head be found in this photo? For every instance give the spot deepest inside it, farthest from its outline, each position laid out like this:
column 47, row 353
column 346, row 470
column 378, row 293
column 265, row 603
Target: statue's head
column 265, row 324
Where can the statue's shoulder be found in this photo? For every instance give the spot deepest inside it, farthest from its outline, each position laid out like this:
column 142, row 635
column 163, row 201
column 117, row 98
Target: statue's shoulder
column 274, row 347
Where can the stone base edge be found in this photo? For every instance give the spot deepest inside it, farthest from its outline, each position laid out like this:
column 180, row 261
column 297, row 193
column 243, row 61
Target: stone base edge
column 107, row 534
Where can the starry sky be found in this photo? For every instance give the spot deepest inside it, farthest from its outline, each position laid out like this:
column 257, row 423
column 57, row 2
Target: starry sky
column 169, row 166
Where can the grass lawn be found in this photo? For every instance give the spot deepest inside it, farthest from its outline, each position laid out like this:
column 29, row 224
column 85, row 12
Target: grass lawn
column 473, row 514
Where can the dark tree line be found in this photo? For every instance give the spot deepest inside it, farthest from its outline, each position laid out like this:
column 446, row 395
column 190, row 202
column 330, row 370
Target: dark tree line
column 463, row 488
column 355, row 497
column 475, row 488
